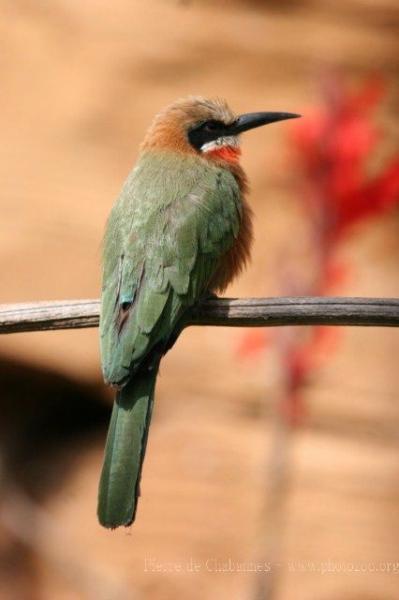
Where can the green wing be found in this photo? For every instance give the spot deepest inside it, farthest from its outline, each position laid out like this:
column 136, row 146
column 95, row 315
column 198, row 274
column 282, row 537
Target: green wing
column 175, row 217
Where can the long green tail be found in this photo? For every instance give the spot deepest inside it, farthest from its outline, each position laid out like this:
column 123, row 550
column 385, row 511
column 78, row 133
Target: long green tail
column 125, row 450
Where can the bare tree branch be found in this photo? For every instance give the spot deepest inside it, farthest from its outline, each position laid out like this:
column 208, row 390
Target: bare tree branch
column 231, row 312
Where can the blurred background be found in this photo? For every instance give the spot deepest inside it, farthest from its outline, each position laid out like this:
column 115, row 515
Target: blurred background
column 272, row 469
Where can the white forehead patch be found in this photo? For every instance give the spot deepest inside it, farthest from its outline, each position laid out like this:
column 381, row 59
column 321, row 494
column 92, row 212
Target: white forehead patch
column 227, row 140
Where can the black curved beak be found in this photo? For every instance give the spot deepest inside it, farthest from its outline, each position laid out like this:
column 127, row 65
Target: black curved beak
column 257, row 119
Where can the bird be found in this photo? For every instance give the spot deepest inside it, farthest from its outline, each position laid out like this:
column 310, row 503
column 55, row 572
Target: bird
column 180, row 231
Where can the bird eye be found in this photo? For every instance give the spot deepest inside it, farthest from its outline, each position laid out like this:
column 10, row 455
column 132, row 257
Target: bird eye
column 211, row 125
column 205, row 131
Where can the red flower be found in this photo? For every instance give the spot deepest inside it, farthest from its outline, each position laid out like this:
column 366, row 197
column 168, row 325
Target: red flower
column 333, row 145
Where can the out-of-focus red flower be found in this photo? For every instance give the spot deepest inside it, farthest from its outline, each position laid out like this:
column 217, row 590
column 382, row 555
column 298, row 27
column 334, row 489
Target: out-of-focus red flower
column 334, row 276
column 252, row 342
column 333, row 145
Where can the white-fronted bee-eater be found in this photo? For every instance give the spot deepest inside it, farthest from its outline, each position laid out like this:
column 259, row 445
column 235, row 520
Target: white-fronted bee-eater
column 180, row 230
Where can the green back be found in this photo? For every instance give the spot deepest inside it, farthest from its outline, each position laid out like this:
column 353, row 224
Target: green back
column 175, row 217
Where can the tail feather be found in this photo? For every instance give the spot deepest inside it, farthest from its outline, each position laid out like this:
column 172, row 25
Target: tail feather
column 125, row 450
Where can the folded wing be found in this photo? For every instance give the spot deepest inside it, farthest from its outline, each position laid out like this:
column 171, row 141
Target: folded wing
column 172, row 223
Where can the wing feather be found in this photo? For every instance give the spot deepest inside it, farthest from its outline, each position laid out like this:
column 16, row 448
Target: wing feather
column 173, row 221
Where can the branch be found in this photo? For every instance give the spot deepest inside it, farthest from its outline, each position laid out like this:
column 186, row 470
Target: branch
column 231, row 312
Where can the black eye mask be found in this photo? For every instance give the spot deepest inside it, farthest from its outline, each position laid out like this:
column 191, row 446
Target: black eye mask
column 208, row 131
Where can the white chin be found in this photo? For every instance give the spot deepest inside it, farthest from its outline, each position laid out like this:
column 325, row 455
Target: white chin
column 229, row 140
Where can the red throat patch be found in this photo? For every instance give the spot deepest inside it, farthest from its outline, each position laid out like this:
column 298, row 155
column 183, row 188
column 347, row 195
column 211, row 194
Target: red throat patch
column 228, row 153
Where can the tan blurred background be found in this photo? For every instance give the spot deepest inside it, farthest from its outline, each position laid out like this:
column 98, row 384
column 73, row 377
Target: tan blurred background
column 79, row 84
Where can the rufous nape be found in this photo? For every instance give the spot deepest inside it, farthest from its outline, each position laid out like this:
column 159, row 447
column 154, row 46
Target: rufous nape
column 180, row 231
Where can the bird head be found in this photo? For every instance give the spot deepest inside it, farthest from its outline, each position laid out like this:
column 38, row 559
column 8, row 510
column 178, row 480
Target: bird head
column 209, row 128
